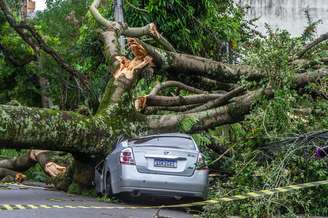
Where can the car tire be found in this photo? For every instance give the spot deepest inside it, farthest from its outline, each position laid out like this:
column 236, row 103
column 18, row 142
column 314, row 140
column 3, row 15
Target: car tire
column 108, row 189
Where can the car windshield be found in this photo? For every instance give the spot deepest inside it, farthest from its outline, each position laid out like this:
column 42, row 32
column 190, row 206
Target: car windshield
column 164, row 141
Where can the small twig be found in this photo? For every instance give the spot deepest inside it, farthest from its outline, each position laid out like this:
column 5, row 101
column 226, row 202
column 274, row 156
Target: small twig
column 220, row 157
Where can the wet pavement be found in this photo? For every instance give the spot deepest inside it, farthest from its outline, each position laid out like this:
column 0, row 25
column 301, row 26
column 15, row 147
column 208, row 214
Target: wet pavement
column 20, row 200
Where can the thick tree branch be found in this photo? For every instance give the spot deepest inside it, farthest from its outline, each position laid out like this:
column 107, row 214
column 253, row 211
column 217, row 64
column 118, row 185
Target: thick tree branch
column 24, row 127
column 125, row 74
column 14, row 176
column 180, row 85
column 156, row 100
column 20, row 163
column 303, row 79
column 148, row 30
column 311, row 45
column 29, row 159
column 13, row 167
column 229, row 113
column 99, row 18
column 216, row 84
column 194, row 65
column 182, row 108
column 111, row 49
column 219, row 101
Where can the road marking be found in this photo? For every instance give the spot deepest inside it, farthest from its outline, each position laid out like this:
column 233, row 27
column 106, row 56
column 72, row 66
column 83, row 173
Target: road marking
column 32, row 206
column 57, row 206
column 254, row 194
column 20, row 207
column 7, row 207
column 69, row 206
column 44, row 206
column 82, row 207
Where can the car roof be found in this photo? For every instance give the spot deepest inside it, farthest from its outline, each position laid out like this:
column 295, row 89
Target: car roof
column 181, row 135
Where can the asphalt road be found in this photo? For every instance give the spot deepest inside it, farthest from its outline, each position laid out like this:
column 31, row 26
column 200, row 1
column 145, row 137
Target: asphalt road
column 12, row 195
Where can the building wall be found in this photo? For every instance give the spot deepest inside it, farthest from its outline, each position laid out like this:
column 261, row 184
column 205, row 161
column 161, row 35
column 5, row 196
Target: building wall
column 30, row 6
column 287, row 14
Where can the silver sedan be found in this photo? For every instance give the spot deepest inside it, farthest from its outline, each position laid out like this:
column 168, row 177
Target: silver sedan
column 163, row 165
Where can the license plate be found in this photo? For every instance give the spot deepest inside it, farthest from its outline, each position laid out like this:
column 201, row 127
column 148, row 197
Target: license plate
column 165, row 163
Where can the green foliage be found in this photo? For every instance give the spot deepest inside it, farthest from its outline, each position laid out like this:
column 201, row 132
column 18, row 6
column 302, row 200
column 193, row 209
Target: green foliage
column 311, row 29
column 272, row 54
column 198, row 27
column 186, row 124
column 256, row 166
column 36, row 174
column 290, row 166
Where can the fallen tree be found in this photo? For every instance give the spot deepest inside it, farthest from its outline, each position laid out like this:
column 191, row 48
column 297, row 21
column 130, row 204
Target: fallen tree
column 90, row 137
column 15, row 166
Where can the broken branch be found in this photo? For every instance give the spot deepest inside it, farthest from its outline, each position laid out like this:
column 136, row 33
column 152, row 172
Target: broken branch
column 219, row 101
column 311, row 45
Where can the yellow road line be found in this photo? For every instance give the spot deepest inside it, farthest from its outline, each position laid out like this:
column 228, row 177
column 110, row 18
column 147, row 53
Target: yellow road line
column 44, row 206
column 8, row 207
column 82, row 206
column 20, row 207
column 57, row 206
column 70, row 206
column 32, row 206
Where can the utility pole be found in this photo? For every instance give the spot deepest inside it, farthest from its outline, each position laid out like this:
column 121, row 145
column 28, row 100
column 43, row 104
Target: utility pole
column 119, row 17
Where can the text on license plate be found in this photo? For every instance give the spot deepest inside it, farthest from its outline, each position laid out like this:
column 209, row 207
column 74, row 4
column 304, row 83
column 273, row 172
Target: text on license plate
column 165, row 163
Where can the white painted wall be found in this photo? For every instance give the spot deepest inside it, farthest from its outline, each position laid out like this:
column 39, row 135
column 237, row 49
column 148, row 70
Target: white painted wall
column 287, row 14
column 40, row 5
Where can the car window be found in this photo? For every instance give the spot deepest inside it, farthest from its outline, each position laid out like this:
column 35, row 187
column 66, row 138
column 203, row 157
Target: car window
column 165, row 141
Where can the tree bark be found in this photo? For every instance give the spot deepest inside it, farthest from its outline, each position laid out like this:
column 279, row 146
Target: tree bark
column 24, row 127
column 194, row 65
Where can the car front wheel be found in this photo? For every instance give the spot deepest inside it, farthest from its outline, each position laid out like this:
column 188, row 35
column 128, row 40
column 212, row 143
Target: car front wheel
column 108, row 190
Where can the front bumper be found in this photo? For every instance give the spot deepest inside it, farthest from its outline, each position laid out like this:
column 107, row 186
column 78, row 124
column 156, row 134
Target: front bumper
column 164, row 185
